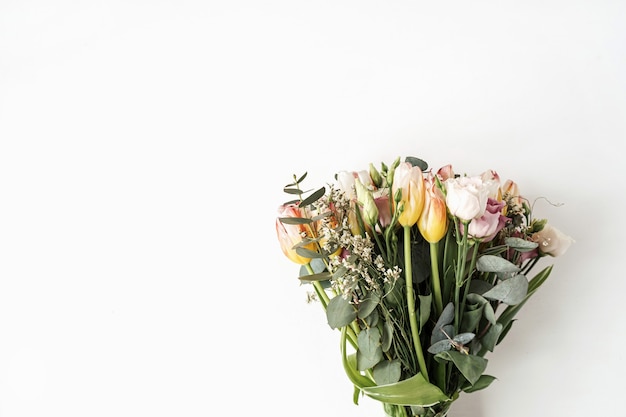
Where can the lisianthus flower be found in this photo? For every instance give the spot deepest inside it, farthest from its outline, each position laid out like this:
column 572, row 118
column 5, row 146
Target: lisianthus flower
column 552, row 241
column 487, row 226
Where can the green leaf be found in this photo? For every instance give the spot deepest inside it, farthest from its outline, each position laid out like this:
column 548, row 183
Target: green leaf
column 490, row 339
column 295, row 220
column 509, row 313
column 511, row 292
column 368, row 305
column 324, row 276
column 294, row 191
column 413, row 391
column 483, row 382
column 493, row 263
column 519, row 244
column 416, row 162
column 313, row 197
column 471, row 366
column 370, row 351
column 340, row 312
column 386, row 337
column 308, row 253
column 424, row 309
column 387, row 372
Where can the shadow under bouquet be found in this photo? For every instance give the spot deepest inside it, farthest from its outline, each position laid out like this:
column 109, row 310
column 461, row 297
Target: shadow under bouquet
column 421, row 272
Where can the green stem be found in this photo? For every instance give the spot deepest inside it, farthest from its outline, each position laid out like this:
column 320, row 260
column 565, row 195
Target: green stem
column 460, row 273
column 434, row 266
column 410, row 298
column 324, row 299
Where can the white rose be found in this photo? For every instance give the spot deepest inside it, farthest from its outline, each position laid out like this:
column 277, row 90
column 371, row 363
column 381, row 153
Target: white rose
column 466, row 197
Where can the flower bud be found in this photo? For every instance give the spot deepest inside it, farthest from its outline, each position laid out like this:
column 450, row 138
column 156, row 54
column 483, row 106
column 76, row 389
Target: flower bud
column 375, row 176
column 366, row 200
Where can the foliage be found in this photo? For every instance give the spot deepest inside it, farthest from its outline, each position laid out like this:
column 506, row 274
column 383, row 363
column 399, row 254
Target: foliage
column 420, row 302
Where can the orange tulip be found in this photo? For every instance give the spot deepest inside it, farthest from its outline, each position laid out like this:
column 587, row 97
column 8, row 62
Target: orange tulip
column 289, row 235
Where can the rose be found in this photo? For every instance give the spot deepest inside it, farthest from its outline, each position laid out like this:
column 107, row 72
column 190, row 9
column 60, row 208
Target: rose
column 487, row 226
column 552, row 241
column 466, row 197
column 409, row 181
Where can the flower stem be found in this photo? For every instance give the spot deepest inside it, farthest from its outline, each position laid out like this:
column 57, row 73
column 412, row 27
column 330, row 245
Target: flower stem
column 410, row 299
column 434, row 266
column 460, row 273
column 324, row 299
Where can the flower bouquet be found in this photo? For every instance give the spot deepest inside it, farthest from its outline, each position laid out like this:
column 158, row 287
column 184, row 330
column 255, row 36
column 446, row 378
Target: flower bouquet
column 421, row 272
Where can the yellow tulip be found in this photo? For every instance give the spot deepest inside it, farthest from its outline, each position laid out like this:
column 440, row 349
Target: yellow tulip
column 410, row 181
column 433, row 222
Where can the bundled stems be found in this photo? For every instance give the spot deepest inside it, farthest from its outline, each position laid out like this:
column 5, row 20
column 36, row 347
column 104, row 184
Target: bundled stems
column 410, row 300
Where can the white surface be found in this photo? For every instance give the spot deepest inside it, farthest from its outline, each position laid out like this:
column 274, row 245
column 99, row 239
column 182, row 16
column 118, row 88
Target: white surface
column 143, row 150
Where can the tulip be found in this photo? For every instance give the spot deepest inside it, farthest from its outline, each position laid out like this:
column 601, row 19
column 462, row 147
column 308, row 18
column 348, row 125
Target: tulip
column 433, row 222
column 511, row 195
column 491, row 179
column 445, row 172
column 409, row 180
column 290, row 235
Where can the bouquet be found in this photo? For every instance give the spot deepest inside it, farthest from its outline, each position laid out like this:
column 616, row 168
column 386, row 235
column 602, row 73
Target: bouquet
column 421, row 272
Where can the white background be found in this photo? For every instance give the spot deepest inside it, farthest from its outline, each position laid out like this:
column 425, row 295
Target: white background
column 143, row 150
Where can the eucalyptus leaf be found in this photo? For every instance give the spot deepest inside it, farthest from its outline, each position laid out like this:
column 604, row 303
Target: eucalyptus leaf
column 369, row 352
column 478, row 286
column 509, row 313
column 340, row 312
column 470, row 366
column 519, row 244
column 440, row 346
column 368, row 305
column 417, row 162
column 511, row 292
column 387, row 372
column 372, row 319
column 493, row 263
column 324, row 276
column 313, row 197
column 471, row 318
column 295, row 220
column 308, row 253
column 490, row 339
column 447, row 315
column 441, row 332
column 386, row 336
